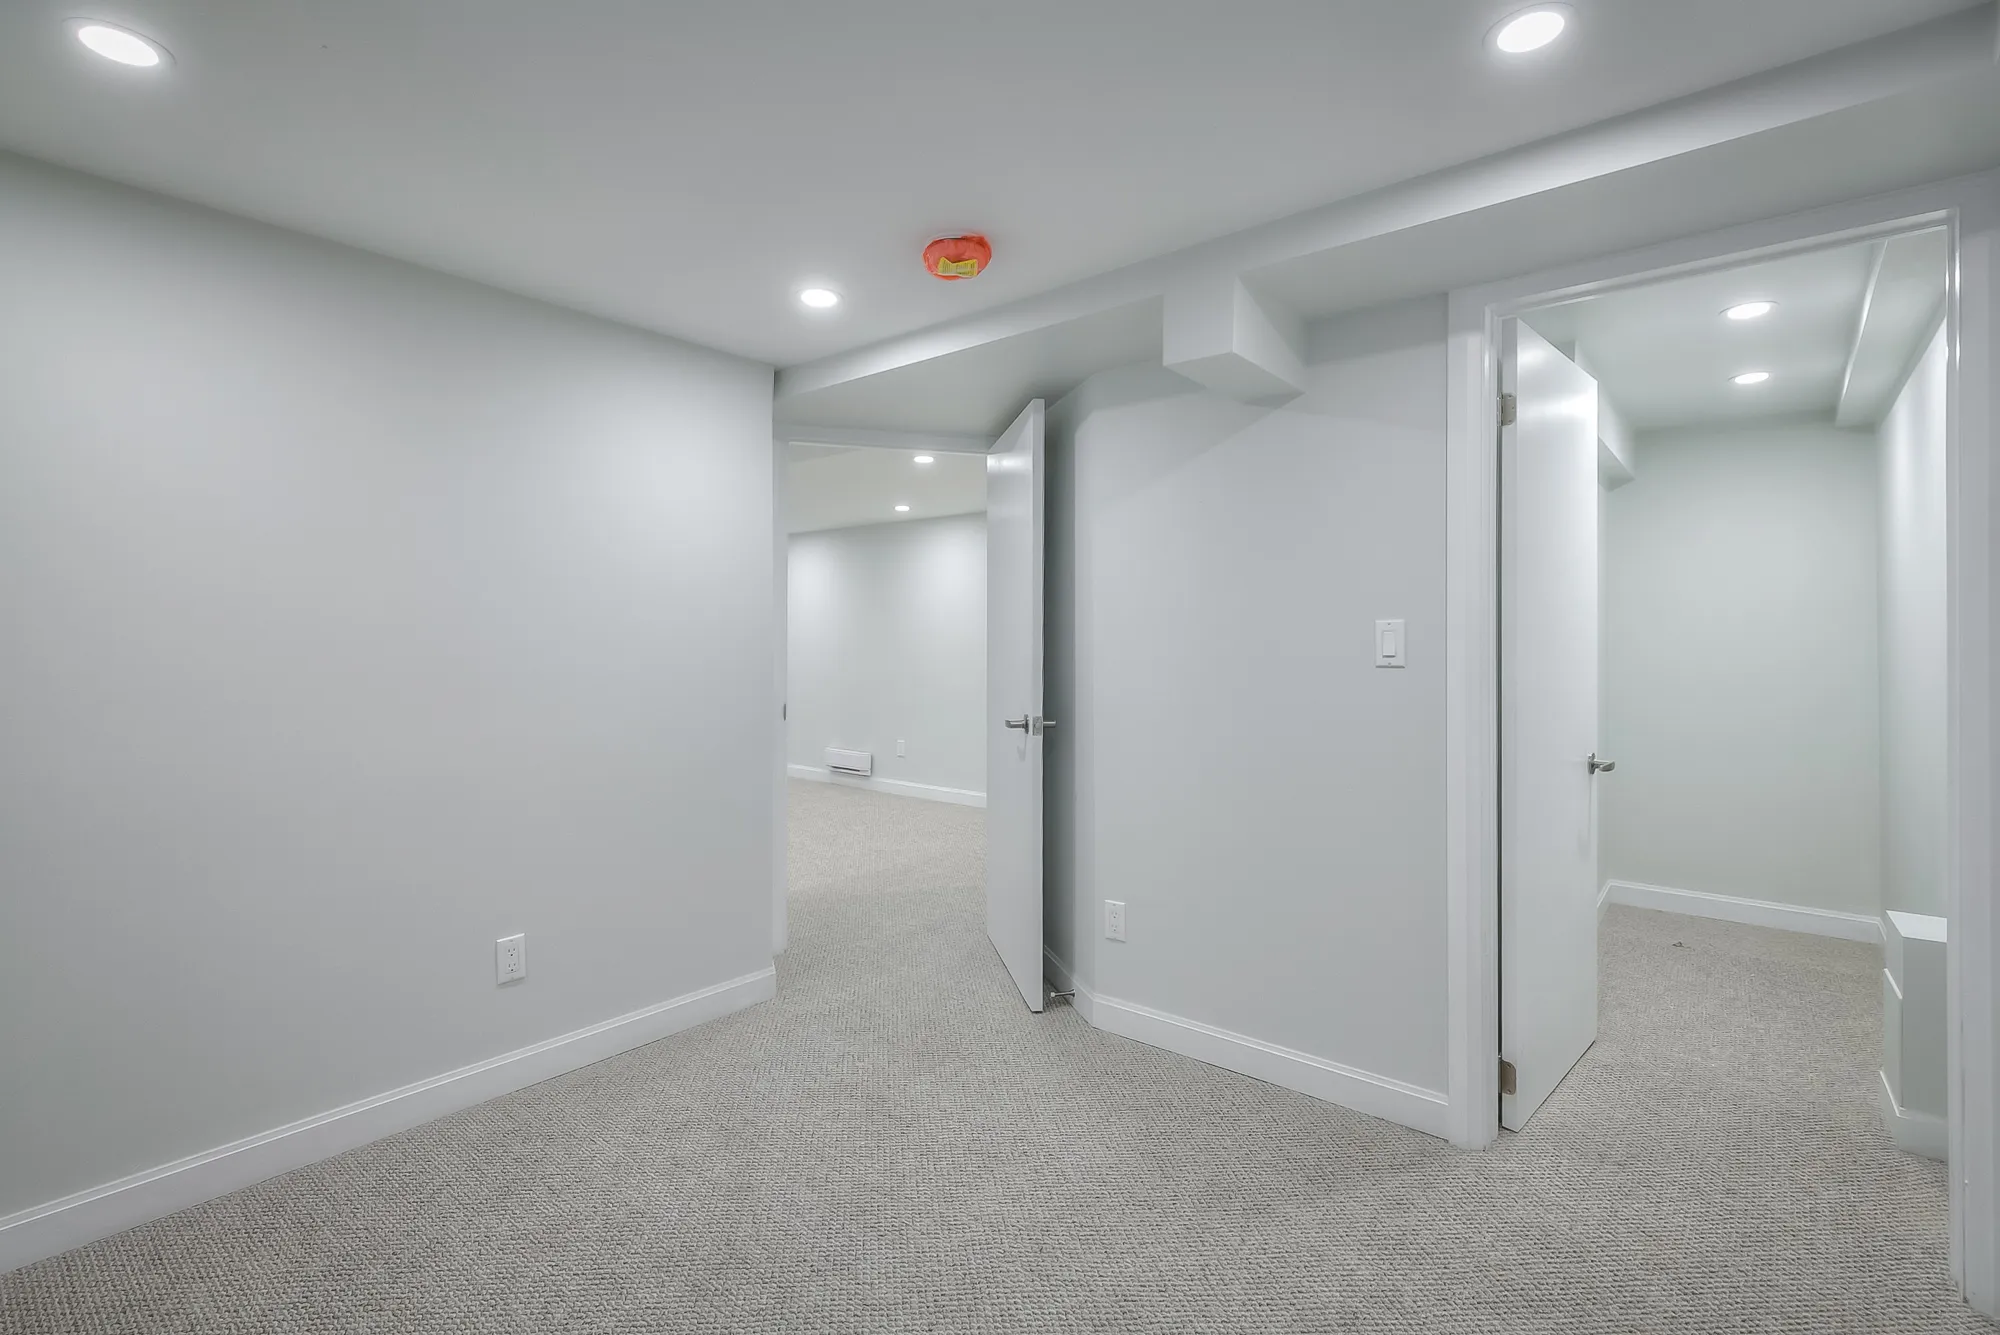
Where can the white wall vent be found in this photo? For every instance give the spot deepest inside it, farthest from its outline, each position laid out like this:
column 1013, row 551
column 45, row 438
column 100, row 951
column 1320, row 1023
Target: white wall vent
column 850, row 762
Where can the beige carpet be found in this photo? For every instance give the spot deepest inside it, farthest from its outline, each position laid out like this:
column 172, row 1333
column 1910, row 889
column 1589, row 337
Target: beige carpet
column 896, row 1144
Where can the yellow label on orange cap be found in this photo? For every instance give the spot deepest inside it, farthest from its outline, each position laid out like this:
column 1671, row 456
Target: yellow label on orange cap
column 958, row 268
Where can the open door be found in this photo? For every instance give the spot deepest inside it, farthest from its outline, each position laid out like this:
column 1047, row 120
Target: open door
column 1548, row 720
column 1015, row 726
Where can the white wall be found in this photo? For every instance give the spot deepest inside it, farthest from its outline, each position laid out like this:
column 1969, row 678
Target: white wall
column 1915, row 831
column 1232, row 765
column 1740, row 682
column 887, row 640
column 356, row 616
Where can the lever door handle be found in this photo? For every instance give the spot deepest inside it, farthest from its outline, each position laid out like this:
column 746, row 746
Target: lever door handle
column 1601, row 766
column 1021, row 722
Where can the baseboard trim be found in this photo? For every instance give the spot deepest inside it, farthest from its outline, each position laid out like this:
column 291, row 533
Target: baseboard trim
column 1751, row 912
column 1420, row 1109
column 45, row 1230
column 929, row 792
column 1914, row 1133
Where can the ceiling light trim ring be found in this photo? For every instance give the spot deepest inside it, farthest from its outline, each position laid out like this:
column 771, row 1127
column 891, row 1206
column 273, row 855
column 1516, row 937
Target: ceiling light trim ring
column 1529, row 30
column 130, row 40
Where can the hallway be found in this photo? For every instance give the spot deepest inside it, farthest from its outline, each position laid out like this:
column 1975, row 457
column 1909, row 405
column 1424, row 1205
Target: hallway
column 896, row 1144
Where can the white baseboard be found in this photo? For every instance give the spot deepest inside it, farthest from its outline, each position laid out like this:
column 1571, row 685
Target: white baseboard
column 1914, row 1133
column 930, row 792
column 1752, row 912
column 1408, row 1105
column 56, row 1226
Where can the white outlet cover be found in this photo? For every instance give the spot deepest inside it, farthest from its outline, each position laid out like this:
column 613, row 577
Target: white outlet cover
column 510, row 959
column 1114, row 920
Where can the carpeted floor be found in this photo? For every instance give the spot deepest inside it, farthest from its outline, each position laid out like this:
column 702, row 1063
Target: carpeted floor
column 896, row 1144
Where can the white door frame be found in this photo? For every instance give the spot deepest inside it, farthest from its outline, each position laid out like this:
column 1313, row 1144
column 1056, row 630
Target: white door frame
column 781, row 614
column 1970, row 208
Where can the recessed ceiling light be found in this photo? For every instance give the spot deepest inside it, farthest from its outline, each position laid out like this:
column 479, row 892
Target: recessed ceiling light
column 923, row 459
column 902, row 509
column 1752, row 378
column 1531, row 29
column 1751, row 310
column 119, row 44
column 819, row 298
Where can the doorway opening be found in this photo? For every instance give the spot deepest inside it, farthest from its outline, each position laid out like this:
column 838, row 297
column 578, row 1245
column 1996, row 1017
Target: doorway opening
column 1969, row 210
column 881, row 580
column 1764, row 513
column 1503, row 642
column 910, row 611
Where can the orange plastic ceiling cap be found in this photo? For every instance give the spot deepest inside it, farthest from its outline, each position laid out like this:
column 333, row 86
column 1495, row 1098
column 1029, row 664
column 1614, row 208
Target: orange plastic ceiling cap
column 955, row 257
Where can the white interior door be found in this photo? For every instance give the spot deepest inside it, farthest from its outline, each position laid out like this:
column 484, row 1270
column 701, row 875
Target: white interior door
column 1015, row 726
column 1548, row 719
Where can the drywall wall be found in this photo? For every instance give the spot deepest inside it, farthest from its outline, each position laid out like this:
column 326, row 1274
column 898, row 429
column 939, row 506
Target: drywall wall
column 356, row 617
column 1740, row 683
column 1915, row 829
column 887, row 641
column 1232, row 765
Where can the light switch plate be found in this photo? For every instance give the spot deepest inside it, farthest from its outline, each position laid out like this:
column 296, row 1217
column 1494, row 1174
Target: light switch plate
column 1392, row 649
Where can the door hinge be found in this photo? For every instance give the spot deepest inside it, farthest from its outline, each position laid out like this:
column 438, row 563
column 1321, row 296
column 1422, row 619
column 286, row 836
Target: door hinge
column 1510, row 408
column 1506, row 1078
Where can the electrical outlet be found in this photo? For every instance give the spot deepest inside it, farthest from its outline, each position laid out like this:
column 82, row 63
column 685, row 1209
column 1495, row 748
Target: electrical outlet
column 510, row 959
column 899, row 747
column 1114, row 920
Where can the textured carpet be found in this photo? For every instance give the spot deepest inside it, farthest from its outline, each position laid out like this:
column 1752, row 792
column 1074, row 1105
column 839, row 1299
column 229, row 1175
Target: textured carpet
column 896, row 1144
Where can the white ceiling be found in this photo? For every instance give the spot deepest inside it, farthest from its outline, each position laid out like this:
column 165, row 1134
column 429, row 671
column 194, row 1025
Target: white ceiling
column 687, row 166
column 1905, row 305
column 1939, row 131
column 832, row 486
column 982, row 388
column 1665, row 355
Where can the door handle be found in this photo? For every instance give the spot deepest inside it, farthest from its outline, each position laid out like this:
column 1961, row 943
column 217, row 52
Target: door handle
column 1601, row 766
column 1021, row 722
column 1032, row 724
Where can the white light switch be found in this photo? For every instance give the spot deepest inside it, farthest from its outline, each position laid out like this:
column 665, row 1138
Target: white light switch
column 1390, row 648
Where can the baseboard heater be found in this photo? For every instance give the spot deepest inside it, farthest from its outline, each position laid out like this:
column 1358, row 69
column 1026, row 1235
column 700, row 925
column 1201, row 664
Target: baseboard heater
column 858, row 763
